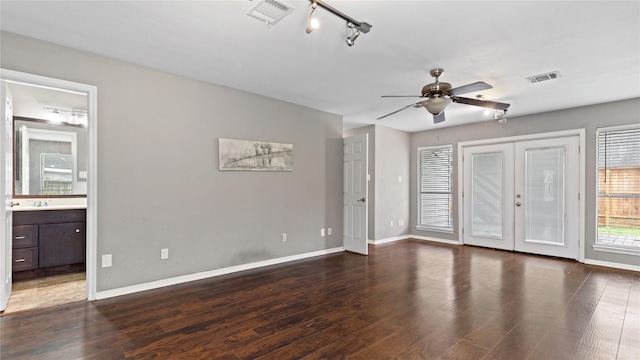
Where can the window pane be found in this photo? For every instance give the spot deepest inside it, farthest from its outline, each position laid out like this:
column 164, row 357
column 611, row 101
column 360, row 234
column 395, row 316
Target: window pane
column 435, row 183
column 619, row 188
column 544, row 196
column 486, row 195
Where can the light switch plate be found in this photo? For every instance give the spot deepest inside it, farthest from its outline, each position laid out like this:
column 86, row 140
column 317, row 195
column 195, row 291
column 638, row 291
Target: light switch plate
column 164, row 254
column 106, row 261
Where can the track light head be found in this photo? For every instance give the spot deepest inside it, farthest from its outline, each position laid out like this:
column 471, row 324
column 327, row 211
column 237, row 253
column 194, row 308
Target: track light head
column 351, row 39
column 313, row 23
column 354, row 35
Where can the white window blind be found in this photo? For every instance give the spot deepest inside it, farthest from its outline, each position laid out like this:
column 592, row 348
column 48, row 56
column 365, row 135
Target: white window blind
column 619, row 187
column 435, row 181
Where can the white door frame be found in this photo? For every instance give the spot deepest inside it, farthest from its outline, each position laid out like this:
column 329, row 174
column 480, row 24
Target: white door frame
column 92, row 159
column 556, row 134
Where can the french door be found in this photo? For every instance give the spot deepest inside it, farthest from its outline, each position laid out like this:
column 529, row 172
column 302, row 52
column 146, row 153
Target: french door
column 523, row 196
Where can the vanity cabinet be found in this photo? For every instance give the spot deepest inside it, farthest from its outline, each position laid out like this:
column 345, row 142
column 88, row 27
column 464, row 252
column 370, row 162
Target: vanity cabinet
column 47, row 240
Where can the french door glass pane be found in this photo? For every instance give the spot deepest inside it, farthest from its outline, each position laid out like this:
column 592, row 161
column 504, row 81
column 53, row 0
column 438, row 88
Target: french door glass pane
column 486, row 188
column 544, row 197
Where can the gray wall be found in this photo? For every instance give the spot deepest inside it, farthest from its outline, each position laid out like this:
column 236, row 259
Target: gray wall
column 589, row 118
column 158, row 179
column 389, row 154
column 392, row 196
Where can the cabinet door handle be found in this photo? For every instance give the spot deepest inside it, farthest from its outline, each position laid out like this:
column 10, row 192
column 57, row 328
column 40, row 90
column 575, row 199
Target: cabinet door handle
column 20, row 237
column 77, row 230
column 20, row 260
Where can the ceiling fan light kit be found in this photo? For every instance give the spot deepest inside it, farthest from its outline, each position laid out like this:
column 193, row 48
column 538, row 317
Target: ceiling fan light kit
column 436, row 105
column 356, row 26
column 439, row 95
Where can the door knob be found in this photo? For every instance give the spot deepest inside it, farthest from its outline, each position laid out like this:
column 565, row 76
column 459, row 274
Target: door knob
column 361, row 200
column 518, row 203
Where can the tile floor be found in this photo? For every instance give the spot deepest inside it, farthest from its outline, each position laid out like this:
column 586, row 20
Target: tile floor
column 46, row 292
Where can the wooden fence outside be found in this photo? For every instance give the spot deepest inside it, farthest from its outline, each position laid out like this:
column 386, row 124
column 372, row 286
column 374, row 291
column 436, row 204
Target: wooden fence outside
column 619, row 197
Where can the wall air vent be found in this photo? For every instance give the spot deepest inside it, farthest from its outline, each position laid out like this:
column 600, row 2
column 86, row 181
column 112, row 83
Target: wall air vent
column 543, row 77
column 270, row 11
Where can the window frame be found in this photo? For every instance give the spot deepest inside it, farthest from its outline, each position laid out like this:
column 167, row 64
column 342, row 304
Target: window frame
column 431, row 227
column 598, row 246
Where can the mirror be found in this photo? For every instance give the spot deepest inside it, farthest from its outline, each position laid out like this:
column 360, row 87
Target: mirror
column 49, row 158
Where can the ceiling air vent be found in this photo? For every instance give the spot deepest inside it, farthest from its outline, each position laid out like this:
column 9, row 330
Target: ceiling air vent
column 543, row 77
column 270, row 11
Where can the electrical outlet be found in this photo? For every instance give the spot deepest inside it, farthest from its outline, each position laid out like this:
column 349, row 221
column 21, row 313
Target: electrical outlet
column 106, row 261
column 321, row 232
column 164, row 254
column 400, row 222
column 329, row 231
column 284, row 237
column 391, row 223
column 399, row 179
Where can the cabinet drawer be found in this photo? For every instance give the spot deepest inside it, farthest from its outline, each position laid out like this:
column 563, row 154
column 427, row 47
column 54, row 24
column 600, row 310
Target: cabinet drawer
column 25, row 236
column 25, row 259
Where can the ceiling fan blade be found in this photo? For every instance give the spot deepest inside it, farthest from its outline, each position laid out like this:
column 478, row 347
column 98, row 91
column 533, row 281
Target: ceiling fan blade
column 482, row 103
column 397, row 111
column 414, row 96
column 438, row 118
column 476, row 86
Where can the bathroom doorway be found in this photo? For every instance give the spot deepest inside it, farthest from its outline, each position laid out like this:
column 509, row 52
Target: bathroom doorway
column 66, row 181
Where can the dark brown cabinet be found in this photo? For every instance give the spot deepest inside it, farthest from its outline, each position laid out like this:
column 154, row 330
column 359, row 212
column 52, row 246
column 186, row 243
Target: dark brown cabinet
column 61, row 244
column 48, row 241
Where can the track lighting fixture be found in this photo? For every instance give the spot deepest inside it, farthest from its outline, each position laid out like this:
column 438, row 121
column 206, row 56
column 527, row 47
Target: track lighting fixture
column 357, row 27
column 313, row 23
column 500, row 116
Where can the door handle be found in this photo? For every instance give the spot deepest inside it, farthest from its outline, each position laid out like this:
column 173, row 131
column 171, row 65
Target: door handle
column 361, row 200
column 518, row 203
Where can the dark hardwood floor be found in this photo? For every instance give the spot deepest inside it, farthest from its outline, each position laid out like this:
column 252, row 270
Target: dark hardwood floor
column 406, row 300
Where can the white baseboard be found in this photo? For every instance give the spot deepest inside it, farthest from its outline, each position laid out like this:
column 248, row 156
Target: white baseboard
column 388, row 240
column 612, row 264
column 427, row 238
column 207, row 274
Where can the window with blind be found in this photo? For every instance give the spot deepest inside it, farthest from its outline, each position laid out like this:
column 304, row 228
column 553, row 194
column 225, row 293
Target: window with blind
column 435, row 181
column 619, row 187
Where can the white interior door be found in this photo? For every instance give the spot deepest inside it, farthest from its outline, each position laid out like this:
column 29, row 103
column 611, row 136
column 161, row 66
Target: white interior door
column 488, row 192
column 547, row 188
column 6, row 184
column 523, row 196
column 355, row 184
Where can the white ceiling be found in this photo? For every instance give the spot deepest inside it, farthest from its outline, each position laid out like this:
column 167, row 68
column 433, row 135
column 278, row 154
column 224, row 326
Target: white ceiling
column 594, row 45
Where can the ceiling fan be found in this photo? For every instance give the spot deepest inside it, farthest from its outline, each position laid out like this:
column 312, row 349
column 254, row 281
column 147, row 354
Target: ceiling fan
column 439, row 95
